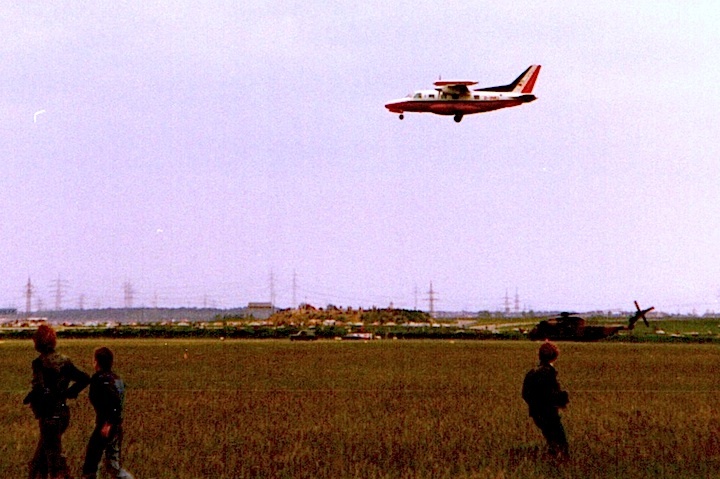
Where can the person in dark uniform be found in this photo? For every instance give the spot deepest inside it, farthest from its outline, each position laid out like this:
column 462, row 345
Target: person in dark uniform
column 107, row 395
column 52, row 375
column 544, row 397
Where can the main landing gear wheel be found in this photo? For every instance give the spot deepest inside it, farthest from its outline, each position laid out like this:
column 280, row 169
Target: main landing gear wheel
column 402, row 116
column 458, row 118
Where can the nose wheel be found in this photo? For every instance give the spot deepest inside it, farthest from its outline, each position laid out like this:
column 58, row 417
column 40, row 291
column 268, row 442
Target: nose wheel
column 402, row 116
column 458, row 118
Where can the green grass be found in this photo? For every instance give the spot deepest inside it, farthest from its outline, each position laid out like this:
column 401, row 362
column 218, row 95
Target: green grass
column 384, row 409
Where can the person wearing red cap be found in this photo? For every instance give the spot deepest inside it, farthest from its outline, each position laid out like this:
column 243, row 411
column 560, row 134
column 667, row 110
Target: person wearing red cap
column 544, row 397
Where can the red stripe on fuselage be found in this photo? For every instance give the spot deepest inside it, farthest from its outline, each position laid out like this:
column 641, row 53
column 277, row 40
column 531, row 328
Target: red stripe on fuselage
column 451, row 107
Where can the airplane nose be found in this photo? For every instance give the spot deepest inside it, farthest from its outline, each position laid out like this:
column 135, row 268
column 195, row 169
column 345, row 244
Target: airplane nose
column 392, row 106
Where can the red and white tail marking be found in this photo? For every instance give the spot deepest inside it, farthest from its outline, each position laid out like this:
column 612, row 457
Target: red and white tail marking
column 527, row 82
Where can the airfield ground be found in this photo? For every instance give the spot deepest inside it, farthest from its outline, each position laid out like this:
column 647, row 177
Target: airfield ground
column 384, row 409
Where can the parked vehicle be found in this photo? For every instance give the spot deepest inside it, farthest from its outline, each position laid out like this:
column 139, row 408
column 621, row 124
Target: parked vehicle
column 303, row 335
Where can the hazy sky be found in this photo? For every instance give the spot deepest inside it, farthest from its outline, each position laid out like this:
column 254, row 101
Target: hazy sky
column 195, row 149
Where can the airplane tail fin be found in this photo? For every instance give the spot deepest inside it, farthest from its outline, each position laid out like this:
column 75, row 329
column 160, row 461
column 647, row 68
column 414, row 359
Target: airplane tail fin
column 522, row 84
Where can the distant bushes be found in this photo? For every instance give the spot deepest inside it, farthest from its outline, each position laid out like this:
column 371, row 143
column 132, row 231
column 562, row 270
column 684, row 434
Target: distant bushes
column 410, row 330
column 261, row 332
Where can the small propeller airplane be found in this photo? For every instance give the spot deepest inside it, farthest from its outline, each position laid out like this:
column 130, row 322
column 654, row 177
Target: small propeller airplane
column 453, row 97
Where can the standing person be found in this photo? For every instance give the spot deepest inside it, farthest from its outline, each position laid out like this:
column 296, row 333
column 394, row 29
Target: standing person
column 107, row 395
column 52, row 375
column 544, row 397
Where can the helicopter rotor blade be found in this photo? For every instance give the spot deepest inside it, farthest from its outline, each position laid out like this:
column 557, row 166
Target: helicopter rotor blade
column 643, row 315
column 640, row 313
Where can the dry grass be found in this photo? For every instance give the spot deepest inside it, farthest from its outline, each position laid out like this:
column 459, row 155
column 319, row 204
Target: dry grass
column 385, row 409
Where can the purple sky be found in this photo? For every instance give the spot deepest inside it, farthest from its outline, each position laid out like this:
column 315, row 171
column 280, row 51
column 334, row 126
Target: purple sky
column 194, row 149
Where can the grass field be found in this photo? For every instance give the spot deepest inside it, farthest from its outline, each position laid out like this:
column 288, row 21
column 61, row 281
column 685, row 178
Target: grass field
column 384, row 409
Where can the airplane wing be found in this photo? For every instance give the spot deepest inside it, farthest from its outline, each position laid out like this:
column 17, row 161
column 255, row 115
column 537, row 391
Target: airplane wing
column 458, row 87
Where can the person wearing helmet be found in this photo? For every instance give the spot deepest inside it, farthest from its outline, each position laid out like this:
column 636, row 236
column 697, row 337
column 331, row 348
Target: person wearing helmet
column 544, row 397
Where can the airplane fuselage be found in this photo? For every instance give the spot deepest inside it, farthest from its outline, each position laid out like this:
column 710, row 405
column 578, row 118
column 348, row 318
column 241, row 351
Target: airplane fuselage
column 433, row 101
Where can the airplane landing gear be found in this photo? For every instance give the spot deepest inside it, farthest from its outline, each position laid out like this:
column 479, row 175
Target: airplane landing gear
column 402, row 116
column 458, row 118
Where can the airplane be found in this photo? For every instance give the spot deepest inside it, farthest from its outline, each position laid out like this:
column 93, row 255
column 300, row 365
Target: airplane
column 569, row 327
column 453, row 97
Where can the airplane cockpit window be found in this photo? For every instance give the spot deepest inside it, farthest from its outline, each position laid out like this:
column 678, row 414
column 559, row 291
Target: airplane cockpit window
column 418, row 95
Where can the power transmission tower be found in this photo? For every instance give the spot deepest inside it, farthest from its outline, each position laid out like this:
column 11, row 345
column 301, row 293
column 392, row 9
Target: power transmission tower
column 517, row 301
column 28, row 296
column 507, row 302
column 272, row 289
column 432, row 299
column 129, row 294
column 60, row 286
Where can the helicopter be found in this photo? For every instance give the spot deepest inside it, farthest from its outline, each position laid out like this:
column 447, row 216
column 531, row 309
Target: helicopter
column 570, row 327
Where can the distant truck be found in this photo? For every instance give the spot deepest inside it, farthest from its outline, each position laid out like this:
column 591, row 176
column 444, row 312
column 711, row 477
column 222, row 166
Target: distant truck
column 303, row 336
